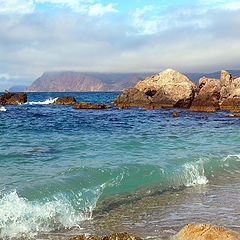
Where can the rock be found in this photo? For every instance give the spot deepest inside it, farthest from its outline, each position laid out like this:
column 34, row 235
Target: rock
column 65, row 100
column 175, row 114
column 86, row 105
column 226, row 78
column 207, row 98
column 116, row 236
column 202, row 117
column 232, row 103
column 206, row 232
column 170, row 86
column 163, row 99
column 132, row 97
column 13, row 98
column 234, row 115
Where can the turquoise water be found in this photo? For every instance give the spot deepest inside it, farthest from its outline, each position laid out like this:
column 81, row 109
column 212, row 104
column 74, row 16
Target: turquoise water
column 59, row 165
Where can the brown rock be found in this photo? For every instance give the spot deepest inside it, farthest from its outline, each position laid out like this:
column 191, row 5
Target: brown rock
column 162, row 99
column 177, row 88
column 226, row 78
column 207, row 99
column 175, row 114
column 13, row 98
column 132, row 97
column 116, row 236
column 86, row 105
column 232, row 103
column 206, row 232
column 65, row 100
column 234, row 115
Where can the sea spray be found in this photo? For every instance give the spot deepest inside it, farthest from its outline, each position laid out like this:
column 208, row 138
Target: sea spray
column 47, row 101
column 3, row 109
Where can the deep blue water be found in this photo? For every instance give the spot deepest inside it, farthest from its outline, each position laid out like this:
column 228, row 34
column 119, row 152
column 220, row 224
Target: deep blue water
column 59, row 163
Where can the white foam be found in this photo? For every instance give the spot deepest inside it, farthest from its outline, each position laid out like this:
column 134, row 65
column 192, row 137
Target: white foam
column 23, row 218
column 47, row 101
column 194, row 174
column 3, row 109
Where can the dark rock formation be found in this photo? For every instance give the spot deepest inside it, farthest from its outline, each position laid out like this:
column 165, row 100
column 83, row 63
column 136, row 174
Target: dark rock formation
column 234, row 115
column 86, row 105
column 206, row 232
column 65, row 100
column 132, row 97
column 207, row 96
column 13, row 98
column 116, row 236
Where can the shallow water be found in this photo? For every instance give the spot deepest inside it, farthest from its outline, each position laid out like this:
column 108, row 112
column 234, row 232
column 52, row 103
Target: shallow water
column 65, row 171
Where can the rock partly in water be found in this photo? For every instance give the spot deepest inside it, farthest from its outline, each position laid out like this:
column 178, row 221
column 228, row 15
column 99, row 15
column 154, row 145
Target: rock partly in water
column 13, row 98
column 65, row 100
column 132, row 97
column 175, row 114
column 116, row 236
column 208, row 95
column 234, row 115
column 206, row 232
column 168, row 88
column 232, row 103
column 86, row 105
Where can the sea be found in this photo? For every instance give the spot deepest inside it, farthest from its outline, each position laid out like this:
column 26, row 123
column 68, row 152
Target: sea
column 67, row 172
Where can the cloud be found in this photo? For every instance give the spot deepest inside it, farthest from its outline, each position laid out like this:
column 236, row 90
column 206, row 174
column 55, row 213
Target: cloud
column 15, row 6
column 99, row 10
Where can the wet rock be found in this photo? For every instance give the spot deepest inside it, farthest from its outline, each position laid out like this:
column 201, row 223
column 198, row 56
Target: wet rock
column 206, row 232
column 13, row 98
column 208, row 95
column 65, row 100
column 116, row 236
column 132, row 97
column 170, row 87
column 86, row 105
column 175, row 114
column 202, row 117
column 232, row 103
column 234, row 115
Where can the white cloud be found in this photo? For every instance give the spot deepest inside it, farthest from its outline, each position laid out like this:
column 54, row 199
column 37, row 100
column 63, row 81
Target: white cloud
column 4, row 75
column 99, row 10
column 17, row 6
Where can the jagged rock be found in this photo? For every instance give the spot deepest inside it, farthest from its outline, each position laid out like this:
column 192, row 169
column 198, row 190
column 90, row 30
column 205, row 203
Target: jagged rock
column 116, row 236
column 170, row 87
column 132, row 97
column 13, row 98
column 175, row 114
column 226, row 78
column 206, row 232
column 86, row 105
column 207, row 98
column 65, row 100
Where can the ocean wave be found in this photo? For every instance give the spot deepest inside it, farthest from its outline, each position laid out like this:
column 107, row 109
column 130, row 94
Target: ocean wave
column 3, row 109
column 47, row 101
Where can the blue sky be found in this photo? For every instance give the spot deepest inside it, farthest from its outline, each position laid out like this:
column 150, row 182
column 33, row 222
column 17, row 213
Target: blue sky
column 116, row 36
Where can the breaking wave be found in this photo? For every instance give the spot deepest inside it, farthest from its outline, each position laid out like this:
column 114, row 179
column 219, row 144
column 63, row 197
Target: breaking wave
column 47, row 101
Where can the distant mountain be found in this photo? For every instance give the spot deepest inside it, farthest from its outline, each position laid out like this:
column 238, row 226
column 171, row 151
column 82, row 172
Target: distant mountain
column 18, row 88
column 84, row 82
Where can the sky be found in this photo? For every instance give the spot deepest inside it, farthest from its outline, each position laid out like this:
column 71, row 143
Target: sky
column 116, row 36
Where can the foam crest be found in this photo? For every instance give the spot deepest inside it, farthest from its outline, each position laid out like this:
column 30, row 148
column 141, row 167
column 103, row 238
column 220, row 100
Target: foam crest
column 3, row 109
column 23, row 218
column 47, row 101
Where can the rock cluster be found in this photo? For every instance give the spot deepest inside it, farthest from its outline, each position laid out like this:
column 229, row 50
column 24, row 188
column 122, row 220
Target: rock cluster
column 13, row 98
column 172, row 89
column 86, row 105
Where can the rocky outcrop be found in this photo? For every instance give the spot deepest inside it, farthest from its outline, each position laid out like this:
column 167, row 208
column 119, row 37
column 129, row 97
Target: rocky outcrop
column 13, row 98
column 86, row 105
column 206, row 232
column 168, row 88
column 116, row 236
column 175, row 114
column 65, row 100
column 207, row 95
column 234, row 115
column 132, row 97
